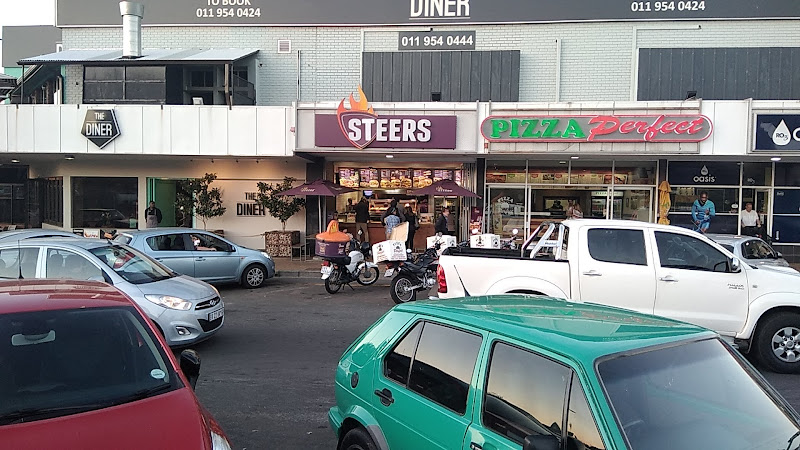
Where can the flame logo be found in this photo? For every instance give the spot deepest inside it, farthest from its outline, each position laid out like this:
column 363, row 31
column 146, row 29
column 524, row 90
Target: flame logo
column 362, row 105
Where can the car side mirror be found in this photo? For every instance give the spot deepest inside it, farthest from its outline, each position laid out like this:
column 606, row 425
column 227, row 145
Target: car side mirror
column 190, row 366
column 778, row 255
column 541, row 442
column 231, row 249
column 736, row 265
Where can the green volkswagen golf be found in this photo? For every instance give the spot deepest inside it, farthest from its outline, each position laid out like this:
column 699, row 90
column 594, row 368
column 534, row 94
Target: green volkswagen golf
column 533, row 373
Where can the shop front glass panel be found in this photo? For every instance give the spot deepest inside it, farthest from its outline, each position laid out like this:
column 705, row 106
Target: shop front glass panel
column 787, row 174
column 726, row 204
column 760, row 198
column 109, row 203
column 636, row 204
column 506, row 172
column 507, row 208
column 548, row 172
column 756, row 174
column 786, row 227
column 591, row 173
column 636, row 173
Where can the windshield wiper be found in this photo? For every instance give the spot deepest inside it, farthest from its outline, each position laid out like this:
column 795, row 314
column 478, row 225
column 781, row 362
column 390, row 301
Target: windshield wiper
column 142, row 394
column 23, row 414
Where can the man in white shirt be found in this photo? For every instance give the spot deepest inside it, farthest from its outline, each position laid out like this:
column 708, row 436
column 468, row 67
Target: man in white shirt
column 750, row 220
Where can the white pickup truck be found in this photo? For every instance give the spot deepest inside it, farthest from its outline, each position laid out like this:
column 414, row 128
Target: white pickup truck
column 657, row 269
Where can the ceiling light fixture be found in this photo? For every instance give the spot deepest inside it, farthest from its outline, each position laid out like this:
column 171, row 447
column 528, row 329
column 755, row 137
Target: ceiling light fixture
column 562, row 162
column 390, row 156
column 776, row 158
column 15, row 161
column 69, row 157
column 574, row 157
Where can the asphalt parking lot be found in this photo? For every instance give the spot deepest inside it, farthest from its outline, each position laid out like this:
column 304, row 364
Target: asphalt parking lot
column 267, row 376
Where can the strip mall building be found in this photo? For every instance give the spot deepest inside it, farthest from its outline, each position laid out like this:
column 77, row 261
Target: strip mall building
column 529, row 105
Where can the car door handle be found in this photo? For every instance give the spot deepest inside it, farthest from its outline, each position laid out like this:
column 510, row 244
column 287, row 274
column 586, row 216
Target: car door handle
column 199, row 259
column 386, row 396
column 669, row 279
column 475, row 446
column 592, row 273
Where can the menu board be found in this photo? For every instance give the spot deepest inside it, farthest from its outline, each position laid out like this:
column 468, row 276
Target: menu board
column 348, row 178
column 439, row 175
column 369, row 178
column 459, row 174
column 423, row 178
column 386, row 178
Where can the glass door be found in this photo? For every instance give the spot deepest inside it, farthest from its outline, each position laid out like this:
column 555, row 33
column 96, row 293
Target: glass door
column 633, row 204
column 507, row 210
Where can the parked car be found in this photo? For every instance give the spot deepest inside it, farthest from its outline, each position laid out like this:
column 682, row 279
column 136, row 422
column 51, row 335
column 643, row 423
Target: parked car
column 202, row 255
column 81, row 367
column 185, row 310
column 752, row 250
column 31, row 233
column 655, row 269
column 104, row 217
column 514, row 371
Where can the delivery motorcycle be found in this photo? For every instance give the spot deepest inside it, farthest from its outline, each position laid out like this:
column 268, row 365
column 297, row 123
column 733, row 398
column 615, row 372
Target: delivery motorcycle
column 417, row 274
column 338, row 271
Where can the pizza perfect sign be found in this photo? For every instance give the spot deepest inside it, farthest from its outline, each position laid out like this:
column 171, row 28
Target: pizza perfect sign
column 597, row 128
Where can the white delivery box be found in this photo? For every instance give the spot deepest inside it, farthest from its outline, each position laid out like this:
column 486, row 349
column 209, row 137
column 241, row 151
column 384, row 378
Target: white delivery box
column 445, row 240
column 389, row 251
column 484, row 241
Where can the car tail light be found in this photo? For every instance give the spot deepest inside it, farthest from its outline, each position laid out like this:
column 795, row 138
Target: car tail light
column 441, row 279
column 326, row 263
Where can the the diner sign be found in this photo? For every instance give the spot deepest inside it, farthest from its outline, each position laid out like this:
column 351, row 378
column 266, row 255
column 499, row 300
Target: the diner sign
column 360, row 127
column 597, row 128
column 100, row 126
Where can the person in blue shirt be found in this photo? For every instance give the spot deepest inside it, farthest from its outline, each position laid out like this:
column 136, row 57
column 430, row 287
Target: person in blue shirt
column 702, row 212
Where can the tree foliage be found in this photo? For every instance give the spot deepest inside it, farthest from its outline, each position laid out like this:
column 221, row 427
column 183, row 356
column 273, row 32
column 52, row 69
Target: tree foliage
column 196, row 197
column 281, row 207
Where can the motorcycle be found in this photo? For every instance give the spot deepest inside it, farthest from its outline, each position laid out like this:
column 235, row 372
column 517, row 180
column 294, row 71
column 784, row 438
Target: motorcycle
column 418, row 274
column 338, row 271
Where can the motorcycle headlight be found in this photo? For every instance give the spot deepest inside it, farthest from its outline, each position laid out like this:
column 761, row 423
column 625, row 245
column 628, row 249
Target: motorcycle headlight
column 170, row 302
column 219, row 442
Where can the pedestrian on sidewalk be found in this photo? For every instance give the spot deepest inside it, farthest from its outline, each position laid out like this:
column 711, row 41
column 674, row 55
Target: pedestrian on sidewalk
column 362, row 218
column 702, row 212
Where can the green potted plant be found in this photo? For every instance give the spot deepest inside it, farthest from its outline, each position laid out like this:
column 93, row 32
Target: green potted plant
column 197, row 198
column 281, row 207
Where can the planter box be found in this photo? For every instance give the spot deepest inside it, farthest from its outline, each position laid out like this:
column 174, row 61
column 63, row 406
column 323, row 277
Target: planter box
column 279, row 243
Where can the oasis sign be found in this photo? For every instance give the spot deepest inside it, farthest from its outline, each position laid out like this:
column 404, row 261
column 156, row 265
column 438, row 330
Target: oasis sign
column 599, row 128
column 360, row 127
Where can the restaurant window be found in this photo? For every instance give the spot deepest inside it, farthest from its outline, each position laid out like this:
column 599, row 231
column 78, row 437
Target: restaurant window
column 100, row 202
column 53, row 205
column 591, row 172
column 757, row 174
column 787, row 174
column 506, row 172
column 640, row 173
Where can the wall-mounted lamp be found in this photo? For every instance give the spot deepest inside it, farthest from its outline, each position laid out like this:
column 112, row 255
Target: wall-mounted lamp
column 69, row 157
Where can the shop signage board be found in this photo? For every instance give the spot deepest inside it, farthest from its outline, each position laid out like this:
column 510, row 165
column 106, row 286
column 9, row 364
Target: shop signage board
column 436, row 40
column 360, row 126
column 250, row 206
column 100, row 126
column 777, row 133
column 597, row 128
column 414, row 12
column 693, row 173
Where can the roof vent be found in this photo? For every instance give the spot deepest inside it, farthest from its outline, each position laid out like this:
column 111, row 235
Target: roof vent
column 284, row 46
column 132, row 14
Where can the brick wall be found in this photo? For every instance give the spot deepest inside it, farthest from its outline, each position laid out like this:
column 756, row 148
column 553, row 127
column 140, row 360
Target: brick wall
column 597, row 59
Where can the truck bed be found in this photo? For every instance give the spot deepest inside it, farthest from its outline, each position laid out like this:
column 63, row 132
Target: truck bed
column 498, row 253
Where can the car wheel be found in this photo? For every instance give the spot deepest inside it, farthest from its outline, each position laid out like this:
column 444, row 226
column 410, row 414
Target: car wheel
column 254, row 276
column 777, row 343
column 400, row 290
column 357, row 439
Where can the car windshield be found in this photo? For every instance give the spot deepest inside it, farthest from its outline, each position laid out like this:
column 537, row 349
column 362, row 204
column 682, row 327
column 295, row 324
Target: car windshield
column 122, row 239
column 56, row 363
column 728, row 247
column 695, row 395
column 756, row 249
column 131, row 265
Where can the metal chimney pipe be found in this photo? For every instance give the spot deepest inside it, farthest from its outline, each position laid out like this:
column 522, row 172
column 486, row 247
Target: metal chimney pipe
column 132, row 14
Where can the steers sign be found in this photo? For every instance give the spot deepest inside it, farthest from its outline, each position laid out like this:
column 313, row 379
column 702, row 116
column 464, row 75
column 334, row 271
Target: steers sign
column 599, row 128
column 360, row 127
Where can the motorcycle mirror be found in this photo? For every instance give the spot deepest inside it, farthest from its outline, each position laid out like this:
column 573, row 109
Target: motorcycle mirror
column 475, row 231
column 515, row 231
column 408, row 250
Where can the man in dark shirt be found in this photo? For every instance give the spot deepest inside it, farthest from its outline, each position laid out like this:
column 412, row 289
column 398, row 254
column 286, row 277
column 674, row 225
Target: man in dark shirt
column 362, row 217
column 441, row 222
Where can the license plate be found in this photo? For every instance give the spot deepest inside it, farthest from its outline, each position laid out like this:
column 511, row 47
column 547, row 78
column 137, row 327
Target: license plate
column 326, row 270
column 215, row 315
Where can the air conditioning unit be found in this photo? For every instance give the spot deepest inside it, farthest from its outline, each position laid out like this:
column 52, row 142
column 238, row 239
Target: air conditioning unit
column 284, row 46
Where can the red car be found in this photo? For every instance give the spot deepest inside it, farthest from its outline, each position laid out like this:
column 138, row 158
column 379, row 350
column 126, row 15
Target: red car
column 82, row 367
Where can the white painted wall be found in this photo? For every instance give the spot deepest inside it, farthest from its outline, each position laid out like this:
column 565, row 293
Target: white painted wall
column 151, row 130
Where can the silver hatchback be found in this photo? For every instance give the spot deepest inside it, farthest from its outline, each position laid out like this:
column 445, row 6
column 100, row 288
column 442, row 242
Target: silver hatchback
column 202, row 255
column 186, row 310
column 752, row 250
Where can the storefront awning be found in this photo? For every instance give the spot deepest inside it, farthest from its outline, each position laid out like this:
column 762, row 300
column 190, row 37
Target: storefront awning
column 149, row 56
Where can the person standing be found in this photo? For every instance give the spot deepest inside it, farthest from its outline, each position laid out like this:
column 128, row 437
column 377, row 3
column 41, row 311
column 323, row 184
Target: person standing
column 751, row 222
column 703, row 211
column 451, row 223
column 392, row 217
column 446, row 223
column 362, row 217
column 152, row 215
column 574, row 211
column 413, row 225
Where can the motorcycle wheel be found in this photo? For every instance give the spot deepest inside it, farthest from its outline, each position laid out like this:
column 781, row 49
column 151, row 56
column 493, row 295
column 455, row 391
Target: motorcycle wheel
column 368, row 275
column 399, row 289
column 332, row 283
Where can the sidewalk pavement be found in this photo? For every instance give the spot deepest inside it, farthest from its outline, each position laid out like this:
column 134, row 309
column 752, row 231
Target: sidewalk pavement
column 288, row 268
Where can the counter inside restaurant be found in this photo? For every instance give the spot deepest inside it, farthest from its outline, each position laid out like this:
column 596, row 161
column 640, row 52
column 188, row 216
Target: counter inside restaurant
column 377, row 232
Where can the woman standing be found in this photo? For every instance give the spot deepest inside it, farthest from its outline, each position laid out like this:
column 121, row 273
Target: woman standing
column 392, row 217
column 574, row 211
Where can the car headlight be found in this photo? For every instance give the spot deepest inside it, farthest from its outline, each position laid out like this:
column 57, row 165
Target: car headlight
column 170, row 302
column 265, row 255
column 219, row 442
